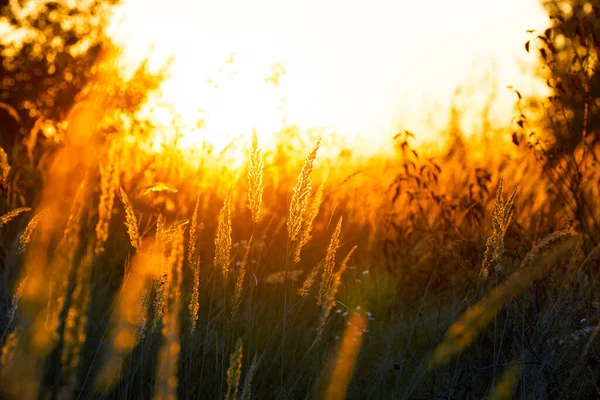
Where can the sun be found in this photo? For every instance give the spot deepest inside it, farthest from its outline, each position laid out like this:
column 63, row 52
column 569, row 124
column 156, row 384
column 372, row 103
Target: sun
column 360, row 69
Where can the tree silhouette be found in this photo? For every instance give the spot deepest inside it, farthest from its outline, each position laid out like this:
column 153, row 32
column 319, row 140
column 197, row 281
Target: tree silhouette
column 48, row 51
column 569, row 53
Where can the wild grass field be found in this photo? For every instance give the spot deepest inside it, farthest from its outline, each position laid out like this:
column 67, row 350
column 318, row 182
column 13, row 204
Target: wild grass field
column 304, row 270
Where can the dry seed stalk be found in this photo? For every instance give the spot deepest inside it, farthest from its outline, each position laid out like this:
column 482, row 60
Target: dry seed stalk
column 329, row 301
column 309, row 281
column 329, row 264
column 26, row 236
column 167, row 379
column 130, row 221
column 193, row 234
column 159, row 187
column 6, row 218
column 299, row 202
column 194, row 306
column 239, row 284
column 305, row 234
column 223, row 239
column 74, row 331
column 255, row 178
column 544, row 244
column 109, row 181
column 501, row 217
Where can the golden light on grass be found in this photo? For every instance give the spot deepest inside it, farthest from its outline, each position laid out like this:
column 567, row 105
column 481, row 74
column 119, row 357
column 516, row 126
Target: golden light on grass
column 278, row 146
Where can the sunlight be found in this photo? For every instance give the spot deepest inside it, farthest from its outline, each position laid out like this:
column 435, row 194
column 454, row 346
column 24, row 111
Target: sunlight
column 362, row 69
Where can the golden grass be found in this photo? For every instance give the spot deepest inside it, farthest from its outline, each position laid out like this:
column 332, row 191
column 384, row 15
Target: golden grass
column 328, row 301
column 222, row 258
column 307, row 223
column 239, row 283
column 109, row 181
column 327, row 277
column 194, row 306
column 299, row 203
column 193, row 234
column 500, row 219
column 309, row 281
column 255, row 178
column 74, row 335
column 130, row 221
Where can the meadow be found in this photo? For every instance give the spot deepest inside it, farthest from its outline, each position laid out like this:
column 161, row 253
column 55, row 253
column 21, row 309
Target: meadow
column 133, row 270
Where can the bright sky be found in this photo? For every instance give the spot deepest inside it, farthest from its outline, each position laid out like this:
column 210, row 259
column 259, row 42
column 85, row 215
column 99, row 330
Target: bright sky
column 361, row 68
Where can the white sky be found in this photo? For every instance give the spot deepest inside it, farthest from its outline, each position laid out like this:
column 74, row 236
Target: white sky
column 360, row 67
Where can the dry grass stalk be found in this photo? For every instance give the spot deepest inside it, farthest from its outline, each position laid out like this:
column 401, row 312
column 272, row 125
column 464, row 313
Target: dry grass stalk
column 501, row 217
column 167, row 380
column 75, row 323
column 4, row 168
column 309, row 281
column 175, row 264
column 9, row 216
column 159, row 187
column 299, row 202
column 239, row 283
column 130, row 221
column 72, row 231
column 307, row 225
column 223, row 239
column 329, row 264
column 247, row 388
column 167, row 235
column 277, row 278
column 26, row 236
column 127, row 316
column 329, row 301
column 463, row 331
column 193, row 234
column 160, row 286
column 234, row 372
column 69, row 246
column 194, row 305
column 255, row 178
column 544, row 244
column 345, row 362
column 12, row 311
column 160, row 227
column 109, row 181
